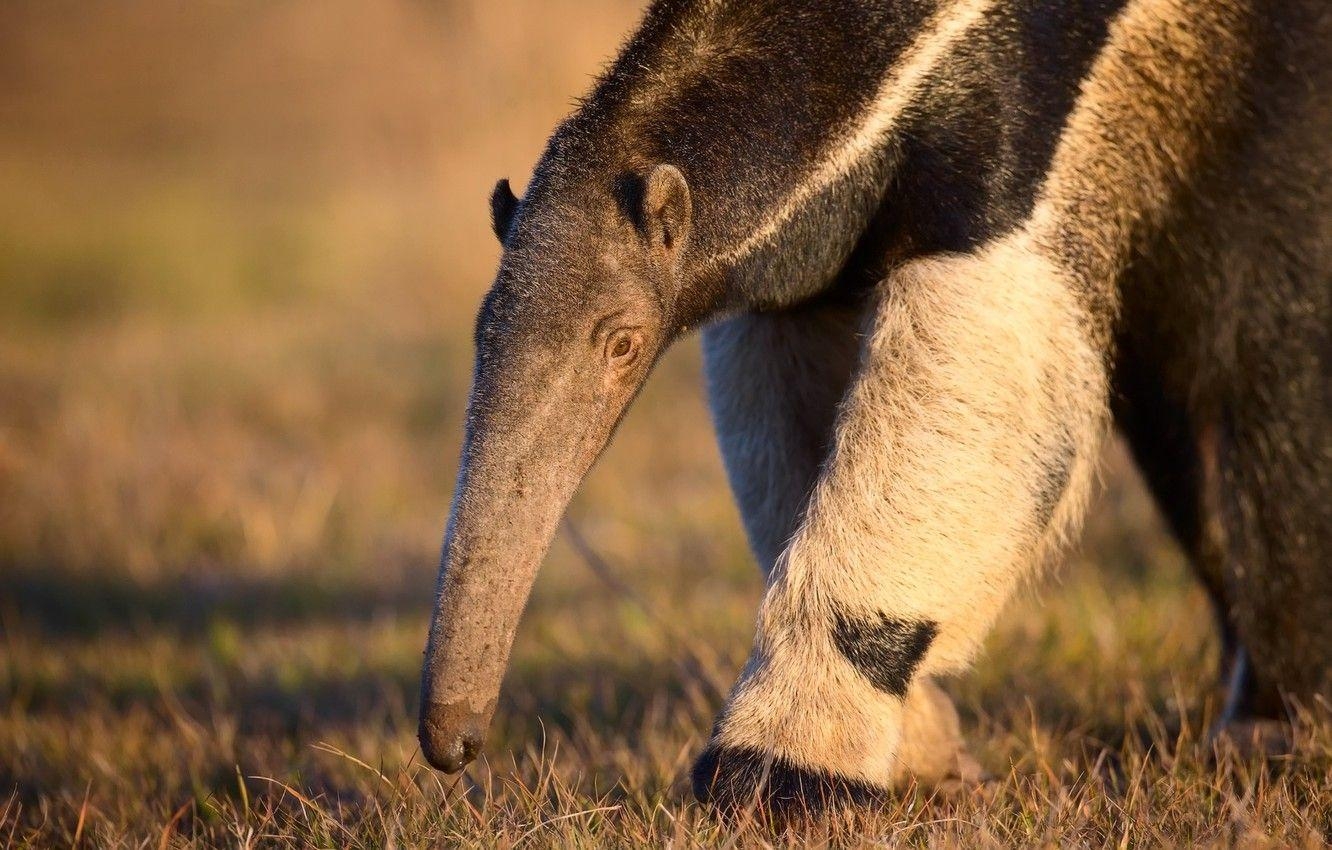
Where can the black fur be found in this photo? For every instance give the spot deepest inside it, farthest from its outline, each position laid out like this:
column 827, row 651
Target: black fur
column 503, row 206
column 884, row 649
column 734, row 780
column 969, row 168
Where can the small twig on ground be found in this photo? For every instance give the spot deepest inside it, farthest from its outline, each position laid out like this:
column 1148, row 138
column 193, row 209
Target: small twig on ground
column 691, row 665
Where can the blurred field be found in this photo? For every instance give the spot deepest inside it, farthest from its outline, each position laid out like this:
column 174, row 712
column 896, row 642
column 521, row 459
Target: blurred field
column 241, row 245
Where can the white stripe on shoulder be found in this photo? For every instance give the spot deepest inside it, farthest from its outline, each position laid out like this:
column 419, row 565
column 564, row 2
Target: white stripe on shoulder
column 896, row 92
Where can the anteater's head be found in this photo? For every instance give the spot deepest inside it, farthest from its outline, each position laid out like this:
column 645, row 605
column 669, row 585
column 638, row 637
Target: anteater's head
column 590, row 291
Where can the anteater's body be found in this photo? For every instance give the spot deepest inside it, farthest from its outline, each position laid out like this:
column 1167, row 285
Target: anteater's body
column 939, row 248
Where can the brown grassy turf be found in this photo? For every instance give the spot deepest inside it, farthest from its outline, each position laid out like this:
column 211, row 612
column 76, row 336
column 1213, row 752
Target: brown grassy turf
column 240, row 249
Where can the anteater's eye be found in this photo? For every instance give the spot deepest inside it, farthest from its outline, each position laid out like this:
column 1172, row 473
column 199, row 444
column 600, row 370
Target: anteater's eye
column 621, row 348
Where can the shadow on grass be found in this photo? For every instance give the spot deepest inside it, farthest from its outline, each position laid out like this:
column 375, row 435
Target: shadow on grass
column 576, row 695
column 55, row 602
column 210, row 619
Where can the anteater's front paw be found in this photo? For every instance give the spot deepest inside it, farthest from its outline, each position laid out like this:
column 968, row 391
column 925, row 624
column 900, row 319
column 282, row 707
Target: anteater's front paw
column 734, row 780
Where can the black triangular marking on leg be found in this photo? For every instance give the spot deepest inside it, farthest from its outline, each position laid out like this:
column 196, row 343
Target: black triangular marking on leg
column 886, row 650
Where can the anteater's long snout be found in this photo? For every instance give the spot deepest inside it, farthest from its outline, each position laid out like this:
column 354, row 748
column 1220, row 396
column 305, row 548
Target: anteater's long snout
column 517, row 475
column 492, row 550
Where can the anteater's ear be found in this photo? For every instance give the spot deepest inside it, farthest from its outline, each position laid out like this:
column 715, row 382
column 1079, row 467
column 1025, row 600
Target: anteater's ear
column 503, row 204
column 667, row 210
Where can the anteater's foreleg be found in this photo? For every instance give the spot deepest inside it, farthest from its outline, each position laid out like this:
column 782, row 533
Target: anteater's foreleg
column 961, row 454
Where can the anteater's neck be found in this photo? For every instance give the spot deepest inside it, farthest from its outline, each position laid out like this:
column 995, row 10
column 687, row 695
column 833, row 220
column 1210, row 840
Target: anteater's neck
column 826, row 139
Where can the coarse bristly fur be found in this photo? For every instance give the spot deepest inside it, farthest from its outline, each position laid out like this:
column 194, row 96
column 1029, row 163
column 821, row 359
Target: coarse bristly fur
column 940, row 248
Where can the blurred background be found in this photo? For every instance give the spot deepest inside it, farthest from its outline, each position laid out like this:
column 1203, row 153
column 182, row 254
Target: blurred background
column 241, row 247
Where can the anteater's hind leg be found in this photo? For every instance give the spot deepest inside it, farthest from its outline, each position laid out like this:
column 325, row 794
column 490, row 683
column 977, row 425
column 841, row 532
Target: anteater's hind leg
column 1240, row 459
column 1275, row 463
column 1177, row 453
column 1246, row 491
column 774, row 383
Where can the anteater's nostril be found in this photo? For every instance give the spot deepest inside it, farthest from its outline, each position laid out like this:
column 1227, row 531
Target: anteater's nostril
column 459, row 753
column 449, row 753
column 451, row 738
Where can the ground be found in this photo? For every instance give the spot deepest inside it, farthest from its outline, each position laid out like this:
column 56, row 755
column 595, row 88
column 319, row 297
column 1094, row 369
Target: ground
column 240, row 249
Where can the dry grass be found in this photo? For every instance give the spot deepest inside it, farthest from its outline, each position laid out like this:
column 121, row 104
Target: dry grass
column 240, row 247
